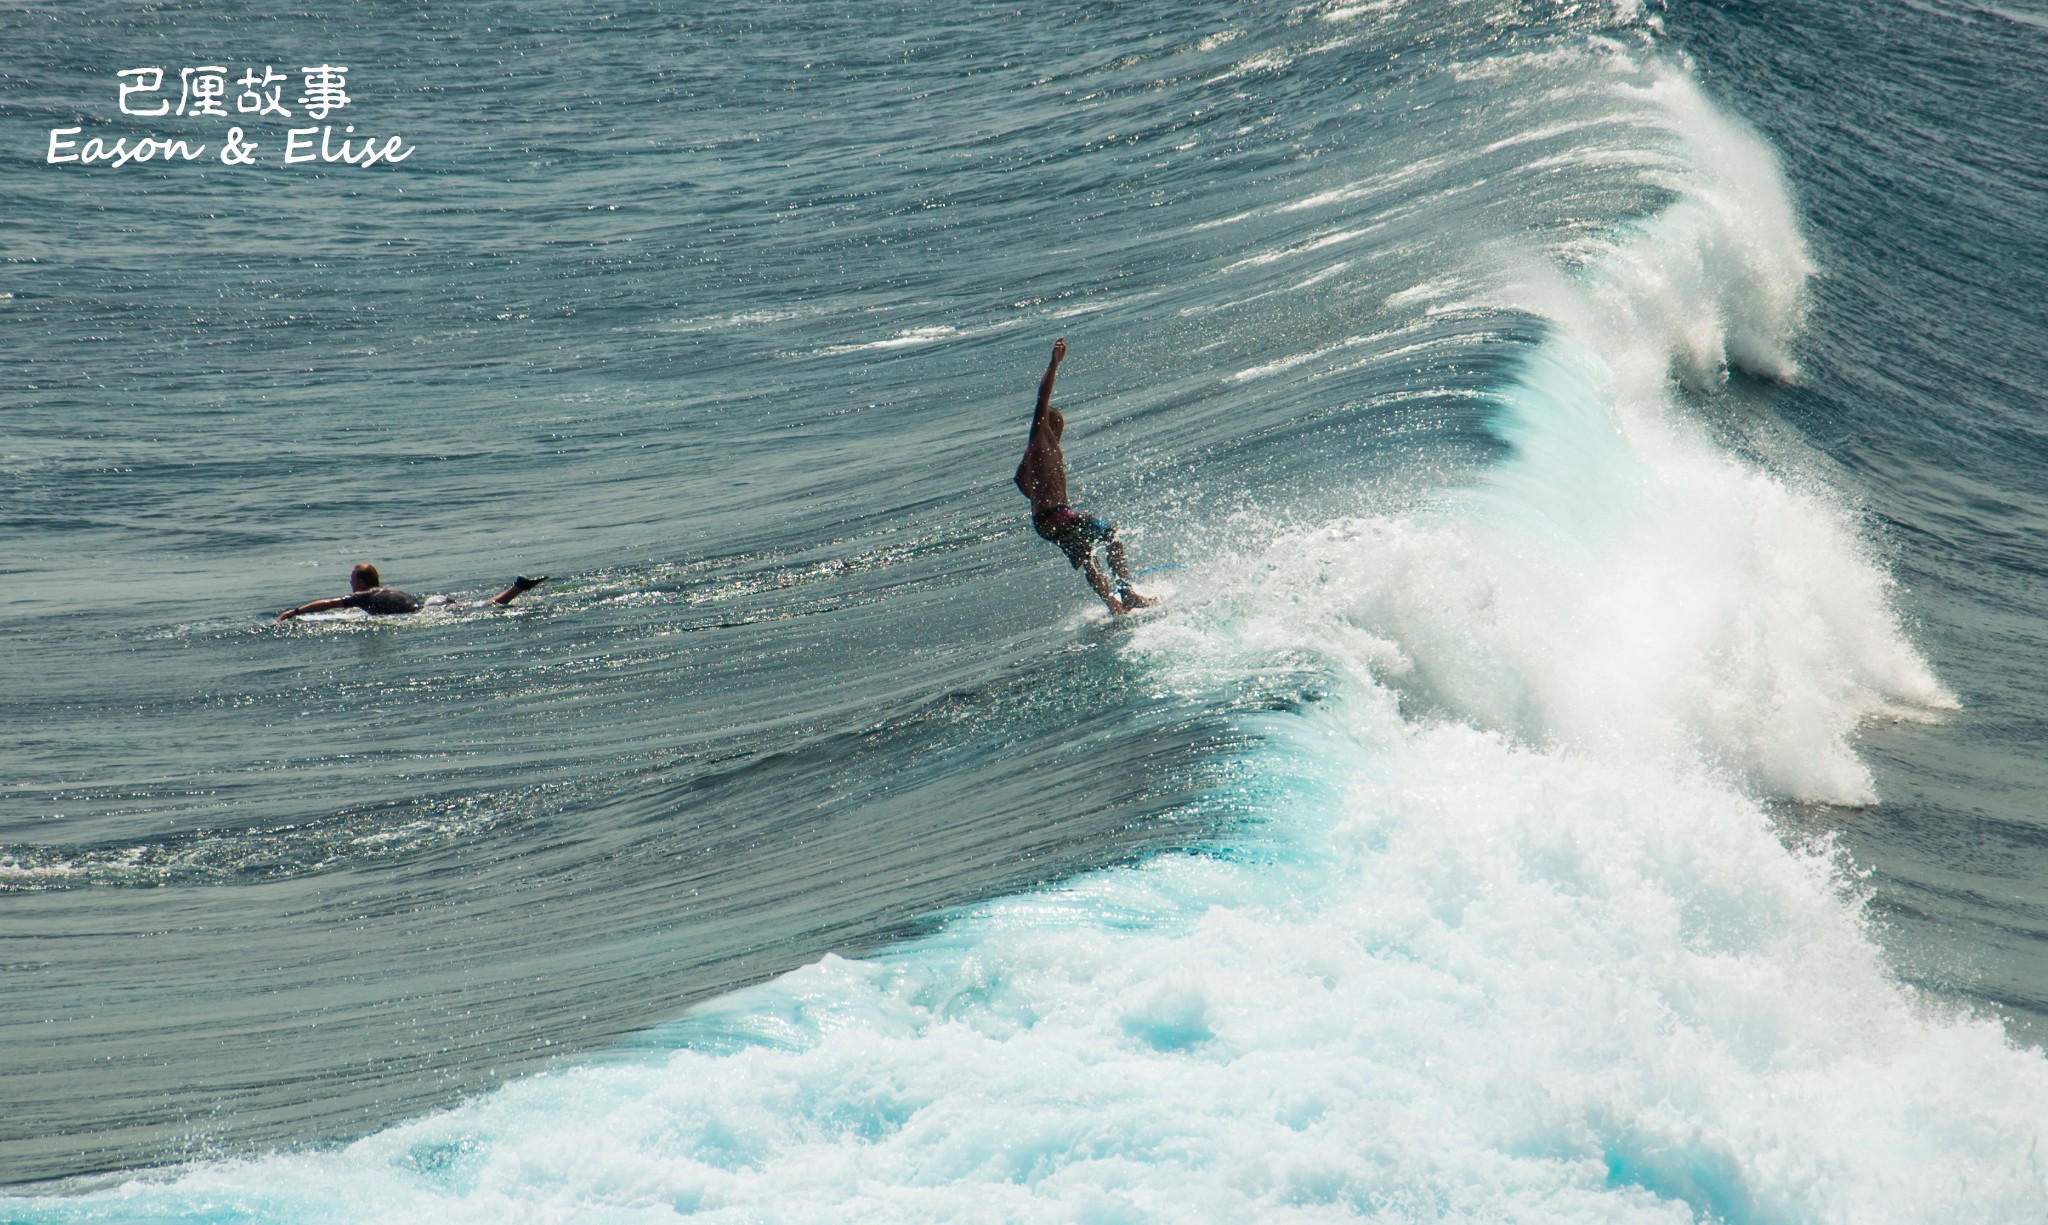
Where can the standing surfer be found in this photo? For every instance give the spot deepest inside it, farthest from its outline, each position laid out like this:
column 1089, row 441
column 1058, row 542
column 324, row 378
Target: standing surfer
column 1043, row 478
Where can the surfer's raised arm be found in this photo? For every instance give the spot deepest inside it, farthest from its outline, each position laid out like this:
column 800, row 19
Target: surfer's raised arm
column 1052, row 369
column 1042, row 476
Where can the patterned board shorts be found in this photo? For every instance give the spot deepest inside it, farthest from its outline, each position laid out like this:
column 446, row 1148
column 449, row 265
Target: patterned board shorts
column 1075, row 533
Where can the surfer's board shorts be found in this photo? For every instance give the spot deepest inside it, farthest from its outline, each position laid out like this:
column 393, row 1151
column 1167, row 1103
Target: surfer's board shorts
column 1075, row 533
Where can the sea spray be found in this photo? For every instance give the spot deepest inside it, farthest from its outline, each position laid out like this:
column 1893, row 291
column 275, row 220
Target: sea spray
column 1620, row 583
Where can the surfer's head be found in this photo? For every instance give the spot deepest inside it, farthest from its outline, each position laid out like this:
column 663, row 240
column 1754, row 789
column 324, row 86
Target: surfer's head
column 363, row 577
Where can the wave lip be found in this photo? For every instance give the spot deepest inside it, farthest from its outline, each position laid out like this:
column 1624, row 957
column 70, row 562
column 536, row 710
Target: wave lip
column 1622, row 583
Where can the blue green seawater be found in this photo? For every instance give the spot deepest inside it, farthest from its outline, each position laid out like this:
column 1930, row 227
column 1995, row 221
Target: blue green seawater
column 1586, row 766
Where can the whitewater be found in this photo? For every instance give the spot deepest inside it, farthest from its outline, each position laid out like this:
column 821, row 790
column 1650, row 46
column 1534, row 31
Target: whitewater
column 1508, row 919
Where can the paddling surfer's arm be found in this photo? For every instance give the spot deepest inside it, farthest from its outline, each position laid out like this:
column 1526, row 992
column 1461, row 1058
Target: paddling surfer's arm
column 327, row 605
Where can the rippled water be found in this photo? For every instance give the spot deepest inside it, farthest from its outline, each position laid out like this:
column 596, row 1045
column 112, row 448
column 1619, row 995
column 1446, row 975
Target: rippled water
column 1591, row 451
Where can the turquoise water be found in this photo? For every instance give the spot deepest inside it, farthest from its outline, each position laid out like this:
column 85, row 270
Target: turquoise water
column 1581, row 771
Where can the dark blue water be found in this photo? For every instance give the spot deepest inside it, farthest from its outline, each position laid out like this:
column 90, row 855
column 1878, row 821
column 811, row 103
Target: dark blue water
column 1582, row 769
column 1925, row 368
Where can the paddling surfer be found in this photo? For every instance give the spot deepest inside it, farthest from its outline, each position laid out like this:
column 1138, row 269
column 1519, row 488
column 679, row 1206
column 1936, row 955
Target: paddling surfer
column 1043, row 478
column 368, row 592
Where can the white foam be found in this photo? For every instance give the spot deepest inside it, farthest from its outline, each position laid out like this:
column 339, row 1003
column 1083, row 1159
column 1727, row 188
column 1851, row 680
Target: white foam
column 1622, row 584
column 1634, row 594
column 904, row 339
column 1467, row 982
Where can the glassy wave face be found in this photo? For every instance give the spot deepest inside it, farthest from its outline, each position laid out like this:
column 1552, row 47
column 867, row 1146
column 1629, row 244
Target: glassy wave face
column 1445, row 848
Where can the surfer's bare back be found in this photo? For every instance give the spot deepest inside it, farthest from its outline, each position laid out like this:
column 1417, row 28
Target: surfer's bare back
column 1043, row 478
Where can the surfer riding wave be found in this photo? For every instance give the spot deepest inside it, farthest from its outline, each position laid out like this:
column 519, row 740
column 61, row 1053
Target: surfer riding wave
column 1042, row 476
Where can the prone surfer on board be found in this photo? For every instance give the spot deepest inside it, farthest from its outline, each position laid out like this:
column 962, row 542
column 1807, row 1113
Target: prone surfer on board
column 367, row 592
column 1043, row 478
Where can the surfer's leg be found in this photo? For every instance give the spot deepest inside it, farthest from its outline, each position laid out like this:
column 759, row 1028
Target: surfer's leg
column 1117, row 565
column 1121, row 568
column 520, row 586
column 1100, row 581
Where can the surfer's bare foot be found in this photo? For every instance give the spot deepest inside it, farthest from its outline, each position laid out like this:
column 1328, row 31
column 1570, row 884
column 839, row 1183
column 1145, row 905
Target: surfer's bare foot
column 520, row 586
column 1132, row 601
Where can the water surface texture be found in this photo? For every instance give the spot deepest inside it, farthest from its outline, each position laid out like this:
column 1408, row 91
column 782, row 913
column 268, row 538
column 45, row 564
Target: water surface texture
column 1586, row 767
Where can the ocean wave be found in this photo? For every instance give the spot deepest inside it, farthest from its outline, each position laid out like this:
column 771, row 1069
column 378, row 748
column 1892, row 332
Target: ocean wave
column 1502, row 927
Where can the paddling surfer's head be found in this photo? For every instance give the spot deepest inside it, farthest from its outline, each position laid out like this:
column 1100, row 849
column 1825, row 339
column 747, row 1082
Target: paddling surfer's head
column 363, row 577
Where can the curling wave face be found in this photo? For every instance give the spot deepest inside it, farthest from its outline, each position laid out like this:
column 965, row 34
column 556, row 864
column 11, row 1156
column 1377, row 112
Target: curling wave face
column 1624, row 583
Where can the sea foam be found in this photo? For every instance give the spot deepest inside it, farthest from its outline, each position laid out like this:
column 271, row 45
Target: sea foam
column 1447, row 978
column 1622, row 583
